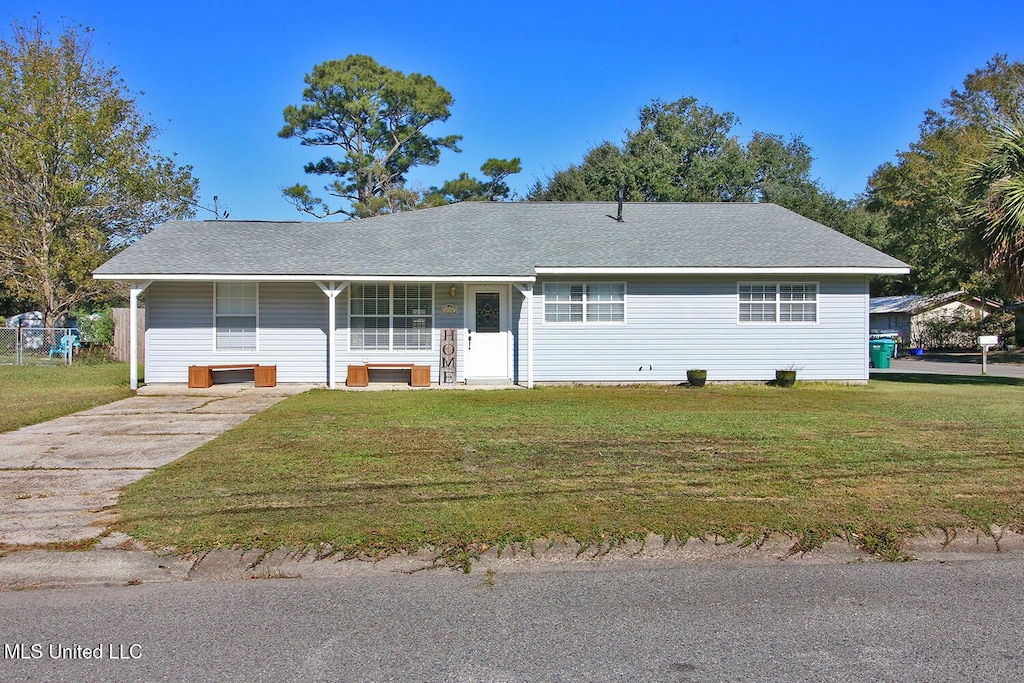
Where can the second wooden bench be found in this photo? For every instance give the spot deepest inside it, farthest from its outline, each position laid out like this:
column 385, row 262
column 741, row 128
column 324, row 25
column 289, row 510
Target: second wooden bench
column 359, row 375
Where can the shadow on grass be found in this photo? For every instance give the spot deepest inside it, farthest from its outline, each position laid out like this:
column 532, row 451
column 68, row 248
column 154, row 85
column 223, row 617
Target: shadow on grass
column 960, row 380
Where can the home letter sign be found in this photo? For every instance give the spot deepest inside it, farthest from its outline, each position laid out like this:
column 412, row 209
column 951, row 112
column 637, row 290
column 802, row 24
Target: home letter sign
column 449, row 355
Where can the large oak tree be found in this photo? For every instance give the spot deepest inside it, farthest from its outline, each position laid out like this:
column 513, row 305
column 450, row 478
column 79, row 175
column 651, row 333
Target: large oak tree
column 79, row 179
column 684, row 151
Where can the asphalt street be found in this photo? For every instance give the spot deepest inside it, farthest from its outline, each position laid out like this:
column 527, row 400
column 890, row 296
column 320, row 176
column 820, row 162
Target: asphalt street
column 945, row 365
column 870, row 621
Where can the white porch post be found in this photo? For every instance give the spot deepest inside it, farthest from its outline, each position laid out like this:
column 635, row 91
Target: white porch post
column 136, row 289
column 332, row 290
column 529, row 336
column 527, row 292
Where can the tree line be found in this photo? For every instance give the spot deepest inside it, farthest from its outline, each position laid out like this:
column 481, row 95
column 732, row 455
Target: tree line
column 951, row 205
column 80, row 178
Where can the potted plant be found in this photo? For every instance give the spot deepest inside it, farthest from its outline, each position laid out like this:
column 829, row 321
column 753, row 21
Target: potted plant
column 696, row 378
column 785, row 377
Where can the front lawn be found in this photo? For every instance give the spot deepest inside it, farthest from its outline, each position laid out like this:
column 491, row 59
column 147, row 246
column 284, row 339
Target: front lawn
column 381, row 471
column 36, row 393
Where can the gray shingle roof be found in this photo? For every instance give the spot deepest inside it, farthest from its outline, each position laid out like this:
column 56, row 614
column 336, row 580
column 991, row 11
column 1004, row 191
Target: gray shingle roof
column 500, row 239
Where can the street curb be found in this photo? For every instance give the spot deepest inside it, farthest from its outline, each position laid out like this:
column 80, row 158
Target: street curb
column 123, row 567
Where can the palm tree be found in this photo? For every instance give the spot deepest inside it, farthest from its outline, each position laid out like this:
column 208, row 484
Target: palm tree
column 995, row 209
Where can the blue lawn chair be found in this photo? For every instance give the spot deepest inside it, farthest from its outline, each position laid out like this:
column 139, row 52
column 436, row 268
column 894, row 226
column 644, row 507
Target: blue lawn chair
column 64, row 346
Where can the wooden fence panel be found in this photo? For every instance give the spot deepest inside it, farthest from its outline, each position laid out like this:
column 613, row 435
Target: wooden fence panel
column 122, row 339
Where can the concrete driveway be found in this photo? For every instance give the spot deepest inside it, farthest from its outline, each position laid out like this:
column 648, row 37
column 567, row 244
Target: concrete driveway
column 59, row 479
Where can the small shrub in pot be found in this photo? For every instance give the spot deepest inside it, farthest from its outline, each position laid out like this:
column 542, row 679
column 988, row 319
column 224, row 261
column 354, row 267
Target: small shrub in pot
column 696, row 378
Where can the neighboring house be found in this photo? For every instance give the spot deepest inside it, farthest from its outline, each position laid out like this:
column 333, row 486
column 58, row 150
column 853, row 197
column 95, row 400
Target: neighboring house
column 29, row 319
column 535, row 292
column 909, row 314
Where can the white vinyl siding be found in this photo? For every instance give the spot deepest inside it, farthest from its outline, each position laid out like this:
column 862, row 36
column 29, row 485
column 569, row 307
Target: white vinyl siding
column 773, row 302
column 293, row 332
column 180, row 332
column 235, row 316
column 674, row 324
column 584, row 302
column 391, row 317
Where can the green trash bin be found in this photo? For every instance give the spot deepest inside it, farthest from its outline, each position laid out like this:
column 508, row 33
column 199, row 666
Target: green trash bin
column 882, row 351
column 891, row 343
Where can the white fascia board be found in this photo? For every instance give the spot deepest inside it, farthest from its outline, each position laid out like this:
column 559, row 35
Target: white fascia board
column 725, row 271
column 207, row 277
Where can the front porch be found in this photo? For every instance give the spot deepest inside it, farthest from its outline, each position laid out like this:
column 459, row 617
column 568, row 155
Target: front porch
column 476, row 331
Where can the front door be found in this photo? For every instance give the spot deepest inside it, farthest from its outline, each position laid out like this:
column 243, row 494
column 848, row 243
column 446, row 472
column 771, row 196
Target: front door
column 487, row 332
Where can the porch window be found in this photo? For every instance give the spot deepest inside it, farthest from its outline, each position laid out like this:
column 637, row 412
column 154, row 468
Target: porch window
column 235, row 315
column 412, row 319
column 775, row 302
column 584, row 302
column 387, row 317
column 370, row 312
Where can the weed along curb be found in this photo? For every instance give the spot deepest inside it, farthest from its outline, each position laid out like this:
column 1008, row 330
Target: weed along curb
column 933, row 545
column 113, row 567
column 544, row 554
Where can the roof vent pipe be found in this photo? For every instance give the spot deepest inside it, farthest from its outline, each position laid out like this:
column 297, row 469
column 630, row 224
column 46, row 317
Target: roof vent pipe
column 622, row 194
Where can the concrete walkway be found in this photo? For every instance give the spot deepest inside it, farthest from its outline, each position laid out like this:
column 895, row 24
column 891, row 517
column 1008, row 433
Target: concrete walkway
column 59, row 479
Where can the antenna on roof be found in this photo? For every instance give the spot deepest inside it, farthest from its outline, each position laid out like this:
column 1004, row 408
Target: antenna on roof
column 216, row 209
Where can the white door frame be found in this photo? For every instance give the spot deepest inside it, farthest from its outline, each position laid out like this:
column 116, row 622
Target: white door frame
column 498, row 364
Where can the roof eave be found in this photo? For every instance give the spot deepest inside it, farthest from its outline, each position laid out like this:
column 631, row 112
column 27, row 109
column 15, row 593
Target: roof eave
column 728, row 270
column 263, row 277
column 560, row 270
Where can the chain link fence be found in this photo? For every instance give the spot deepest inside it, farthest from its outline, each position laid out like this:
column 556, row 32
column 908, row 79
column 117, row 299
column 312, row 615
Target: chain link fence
column 38, row 345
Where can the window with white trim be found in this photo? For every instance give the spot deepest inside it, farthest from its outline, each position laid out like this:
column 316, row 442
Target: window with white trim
column 385, row 317
column 584, row 302
column 798, row 303
column 778, row 302
column 235, row 313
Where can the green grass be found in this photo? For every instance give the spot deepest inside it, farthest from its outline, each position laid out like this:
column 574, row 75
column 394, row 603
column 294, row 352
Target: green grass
column 460, row 470
column 33, row 393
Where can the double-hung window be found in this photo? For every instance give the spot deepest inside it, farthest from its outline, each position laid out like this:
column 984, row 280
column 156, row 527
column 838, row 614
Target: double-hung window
column 387, row 317
column 798, row 303
column 412, row 320
column 235, row 315
column 774, row 302
column 584, row 302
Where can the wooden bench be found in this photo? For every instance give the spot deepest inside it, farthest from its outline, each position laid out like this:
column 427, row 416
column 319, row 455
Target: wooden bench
column 201, row 376
column 359, row 375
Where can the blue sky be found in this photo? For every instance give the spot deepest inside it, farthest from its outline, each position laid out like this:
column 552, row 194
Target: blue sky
column 544, row 81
